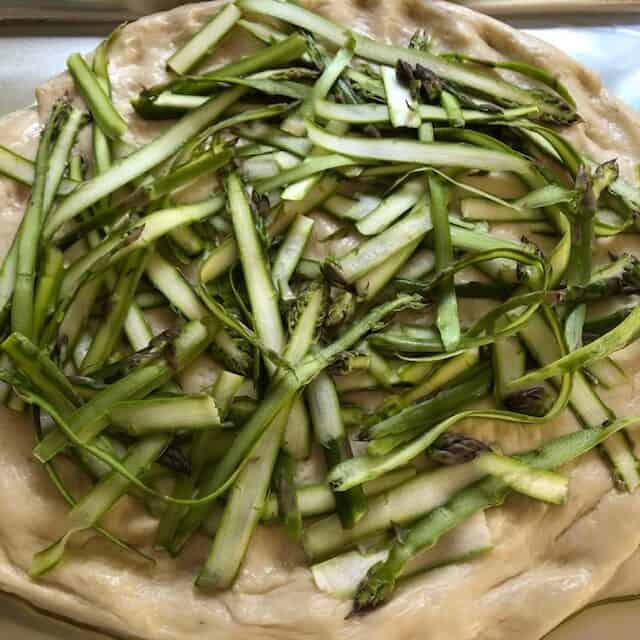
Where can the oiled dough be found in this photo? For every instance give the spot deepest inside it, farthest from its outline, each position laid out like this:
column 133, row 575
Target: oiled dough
column 548, row 561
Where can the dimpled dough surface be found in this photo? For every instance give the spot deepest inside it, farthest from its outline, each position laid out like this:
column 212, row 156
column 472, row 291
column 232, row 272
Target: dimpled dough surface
column 547, row 562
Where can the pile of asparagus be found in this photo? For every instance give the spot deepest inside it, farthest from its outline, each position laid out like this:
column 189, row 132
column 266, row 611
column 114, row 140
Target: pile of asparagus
column 354, row 194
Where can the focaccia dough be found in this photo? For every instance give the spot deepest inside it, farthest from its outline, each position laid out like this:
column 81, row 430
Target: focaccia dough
column 547, row 562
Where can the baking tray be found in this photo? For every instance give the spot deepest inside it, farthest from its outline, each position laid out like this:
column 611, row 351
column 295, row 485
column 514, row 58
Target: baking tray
column 33, row 50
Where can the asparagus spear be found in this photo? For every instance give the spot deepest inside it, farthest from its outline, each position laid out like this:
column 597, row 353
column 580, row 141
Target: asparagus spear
column 447, row 320
column 102, row 109
column 92, row 418
column 30, row 229
column 381, row 579
column 141, row 161
column 204, row 41
column 329, row 430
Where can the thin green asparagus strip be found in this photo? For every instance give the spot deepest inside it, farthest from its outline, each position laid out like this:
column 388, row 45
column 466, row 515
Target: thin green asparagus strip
column 204, row 41
column 141, row 161
column 140, row 418
column 371, row 284
column 403, row 107
column 224, row 391
column 324, row 407
column 242, row 512
column 171, row 183
column 279, row 53
column 397, row 506
column 365, row 468
column 585, row 402
column 432, row 410
column 289, row 255
column 540, row 484
column 102, row 109
column 250, row 491
column 47, row 288
column 137, row 236
column 391, row 208
column 452, row 108
column 105, row 339
column 365, row 47
column 480, row 209
column 374, row 113
column 28, row 238
column 284, row 390
column 172, row 284
column 309, row 167
column 88, row 511
column 260, row 288
column 59, row 156
column 264, row 300
column 92, row 418
column 341, row 575
column 434, row 154
column 607, row 344
column 318, row 499
column 447, row 314
column 22, row 170
column 381, row 579
column 298, row 345
column 42, row 372
column 375, row 251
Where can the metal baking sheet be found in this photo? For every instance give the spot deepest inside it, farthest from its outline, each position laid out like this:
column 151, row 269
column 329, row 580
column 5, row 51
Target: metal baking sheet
column 33, row 50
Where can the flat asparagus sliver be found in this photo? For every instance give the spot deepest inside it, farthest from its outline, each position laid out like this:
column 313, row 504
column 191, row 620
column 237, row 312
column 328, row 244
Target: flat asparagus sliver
column 143, row 417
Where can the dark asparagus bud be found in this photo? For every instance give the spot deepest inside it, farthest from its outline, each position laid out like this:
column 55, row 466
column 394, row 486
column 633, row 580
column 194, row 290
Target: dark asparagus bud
column 431, row 84
column 456, row 448
column 533, row 401
column 404, row 73
column 174, row 459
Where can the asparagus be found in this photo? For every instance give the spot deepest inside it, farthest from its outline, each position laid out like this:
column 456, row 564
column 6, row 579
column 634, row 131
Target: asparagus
column 102, row 109
column 92, row 418
column 318, row 499
column 21, row 277
column 397, row 506
column 108, row 334
column 86, row 513
column 375, row 251
column 388, row 54
column 381, row 579
column 141, row 161
column 341, row 575
column 434, row 154
column 324, row 407
column 137, row 236
column 283, row 390
column 391, row 208
column 289, row 255
column 203, row 42
column 447, row 317
column 103, row 229
column 47, row 288
column 298, row 345
column 22, row 170
column 145, row 417
column 425, row 414
column 264, row 302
